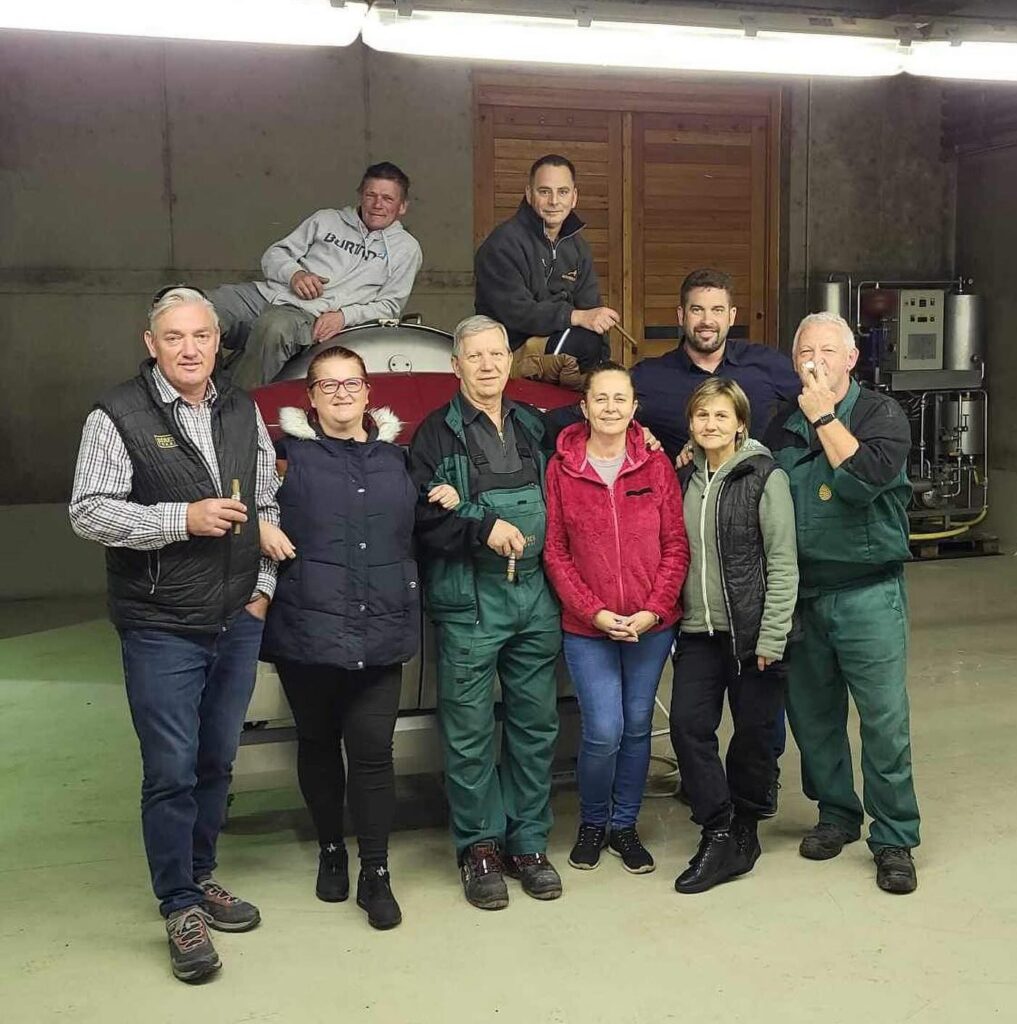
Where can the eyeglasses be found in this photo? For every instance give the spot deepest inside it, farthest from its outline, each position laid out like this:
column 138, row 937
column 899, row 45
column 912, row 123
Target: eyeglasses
column 329, row 385
column 163, row 292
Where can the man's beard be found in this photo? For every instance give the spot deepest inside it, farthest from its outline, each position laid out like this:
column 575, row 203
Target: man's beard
column 705, row 347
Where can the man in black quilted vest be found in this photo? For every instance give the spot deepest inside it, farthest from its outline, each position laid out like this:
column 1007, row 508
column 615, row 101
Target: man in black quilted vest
column 174, row 472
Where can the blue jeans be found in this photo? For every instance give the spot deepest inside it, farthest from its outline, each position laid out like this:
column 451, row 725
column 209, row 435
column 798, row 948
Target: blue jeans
column 188, row 694
column 615, row 684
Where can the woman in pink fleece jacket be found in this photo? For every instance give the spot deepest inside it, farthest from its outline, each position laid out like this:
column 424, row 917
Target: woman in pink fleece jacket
column 616, row 553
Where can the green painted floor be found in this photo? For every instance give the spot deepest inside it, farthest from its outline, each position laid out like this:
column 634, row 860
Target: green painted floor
column 80, row 939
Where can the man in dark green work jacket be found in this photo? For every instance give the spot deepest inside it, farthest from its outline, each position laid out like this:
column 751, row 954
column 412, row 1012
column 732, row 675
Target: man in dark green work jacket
column 491, row 618
column 845, row 451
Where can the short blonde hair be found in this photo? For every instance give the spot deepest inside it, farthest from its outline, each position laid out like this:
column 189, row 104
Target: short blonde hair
column 722, row 387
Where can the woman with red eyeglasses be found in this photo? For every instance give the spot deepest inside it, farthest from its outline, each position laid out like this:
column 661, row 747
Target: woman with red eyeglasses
column 345, row 615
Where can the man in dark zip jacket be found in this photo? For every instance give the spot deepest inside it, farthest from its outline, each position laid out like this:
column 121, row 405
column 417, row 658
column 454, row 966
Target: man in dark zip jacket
column 845, row 452
column 535, row 273
column 174, row 471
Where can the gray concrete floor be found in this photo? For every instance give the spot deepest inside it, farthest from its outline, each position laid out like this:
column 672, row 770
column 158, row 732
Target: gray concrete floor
column 80, row 939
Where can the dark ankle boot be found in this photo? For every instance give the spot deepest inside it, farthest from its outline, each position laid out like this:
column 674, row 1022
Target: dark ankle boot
column 374, row 894
column 712, row 864
column 333, row 885
column 744, row 832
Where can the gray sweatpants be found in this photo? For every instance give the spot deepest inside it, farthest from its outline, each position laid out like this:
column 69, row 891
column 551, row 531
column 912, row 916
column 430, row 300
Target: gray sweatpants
column 263, row 338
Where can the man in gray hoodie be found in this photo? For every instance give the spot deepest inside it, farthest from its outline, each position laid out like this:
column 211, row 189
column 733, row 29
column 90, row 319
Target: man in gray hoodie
column 337, row 269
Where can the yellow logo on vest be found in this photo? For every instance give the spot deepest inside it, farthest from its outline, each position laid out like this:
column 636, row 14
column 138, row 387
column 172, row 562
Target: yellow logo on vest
column 165, row 440
column 825, row 494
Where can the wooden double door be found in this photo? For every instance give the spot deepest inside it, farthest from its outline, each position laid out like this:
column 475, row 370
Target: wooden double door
column 671, row 177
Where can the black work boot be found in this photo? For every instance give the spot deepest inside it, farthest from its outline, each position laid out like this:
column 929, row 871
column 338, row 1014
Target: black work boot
column 536, row 873
column 590, row 841
column 895, row 870
column 374, row 894
column 333, row 884
column 824, row 841
column 481, row 873
column 192, row 955
column 713, row 863
column 745, row 833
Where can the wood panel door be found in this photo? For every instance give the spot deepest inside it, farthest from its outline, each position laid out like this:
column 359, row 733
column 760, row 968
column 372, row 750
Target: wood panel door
column 511, row 138
column 700, row 199
column 672, row 175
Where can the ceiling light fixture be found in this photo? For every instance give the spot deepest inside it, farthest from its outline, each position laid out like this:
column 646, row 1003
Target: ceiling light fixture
column 293, row 22
column 506, row 37
column 950, row 58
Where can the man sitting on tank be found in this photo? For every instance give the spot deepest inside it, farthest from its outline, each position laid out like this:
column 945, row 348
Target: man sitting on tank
column 337, row 269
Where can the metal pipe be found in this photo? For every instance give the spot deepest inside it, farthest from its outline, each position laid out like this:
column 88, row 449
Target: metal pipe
column 921, row 437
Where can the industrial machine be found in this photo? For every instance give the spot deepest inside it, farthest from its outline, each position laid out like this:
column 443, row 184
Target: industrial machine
column 923, row 342
column 410, row 370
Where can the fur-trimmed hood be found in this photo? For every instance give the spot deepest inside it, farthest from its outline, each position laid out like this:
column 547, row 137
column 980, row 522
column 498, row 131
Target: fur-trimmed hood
column 295, row 423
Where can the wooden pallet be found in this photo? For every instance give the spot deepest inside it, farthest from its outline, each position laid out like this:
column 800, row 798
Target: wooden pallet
column 967, row 545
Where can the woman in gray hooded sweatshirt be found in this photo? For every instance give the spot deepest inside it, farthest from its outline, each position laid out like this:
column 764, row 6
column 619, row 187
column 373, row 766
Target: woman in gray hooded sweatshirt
column 739, row 597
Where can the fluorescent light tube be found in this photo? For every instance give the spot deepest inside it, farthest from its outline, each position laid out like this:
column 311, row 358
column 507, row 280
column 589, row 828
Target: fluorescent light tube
column 623, row 44
column 987, row 62
column 294, row 22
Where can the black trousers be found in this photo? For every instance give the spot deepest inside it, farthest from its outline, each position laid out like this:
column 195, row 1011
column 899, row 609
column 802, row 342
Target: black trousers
column 587, row 347
column 358, row 708
column 704, row 668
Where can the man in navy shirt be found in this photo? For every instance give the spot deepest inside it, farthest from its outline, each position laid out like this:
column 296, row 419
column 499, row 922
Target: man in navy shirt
column 663, row 385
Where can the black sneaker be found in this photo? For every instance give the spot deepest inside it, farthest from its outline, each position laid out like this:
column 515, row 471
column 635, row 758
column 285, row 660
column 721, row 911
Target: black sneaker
column 895, row 870
column 635, row 857
column 481, row 873
column 746, row 846
column 374, row 894
column 536, row 873
column 590, row 841
column 713, row 863
column 824, row 841
column 772, row 796
column 333, row 884
column 226, row 912
column 192, row 955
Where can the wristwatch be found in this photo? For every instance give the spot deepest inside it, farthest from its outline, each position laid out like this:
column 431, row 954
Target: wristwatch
column 823, row 420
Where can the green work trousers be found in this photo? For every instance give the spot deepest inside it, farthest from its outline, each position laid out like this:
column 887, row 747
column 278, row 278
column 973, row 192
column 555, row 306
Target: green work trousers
column 518, row 635
column 855, row 641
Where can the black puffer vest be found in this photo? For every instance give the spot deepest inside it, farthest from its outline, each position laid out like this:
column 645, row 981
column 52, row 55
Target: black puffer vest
column 351, row 597
column 740, row 543
column 197, row 585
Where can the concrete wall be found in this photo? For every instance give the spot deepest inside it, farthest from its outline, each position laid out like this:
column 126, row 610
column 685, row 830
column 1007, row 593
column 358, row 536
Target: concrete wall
column 868, row 190
column 986, row 223
column 127, row 164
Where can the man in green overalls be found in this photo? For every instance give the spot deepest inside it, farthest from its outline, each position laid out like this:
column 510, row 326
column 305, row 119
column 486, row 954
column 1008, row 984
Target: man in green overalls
column 493, row 612
column 845, row 451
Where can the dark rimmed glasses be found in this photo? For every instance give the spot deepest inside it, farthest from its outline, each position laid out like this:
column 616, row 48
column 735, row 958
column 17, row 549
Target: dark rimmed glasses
column 329, row 385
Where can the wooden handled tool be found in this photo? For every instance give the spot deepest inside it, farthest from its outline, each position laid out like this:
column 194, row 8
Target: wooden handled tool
column 633, row 344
